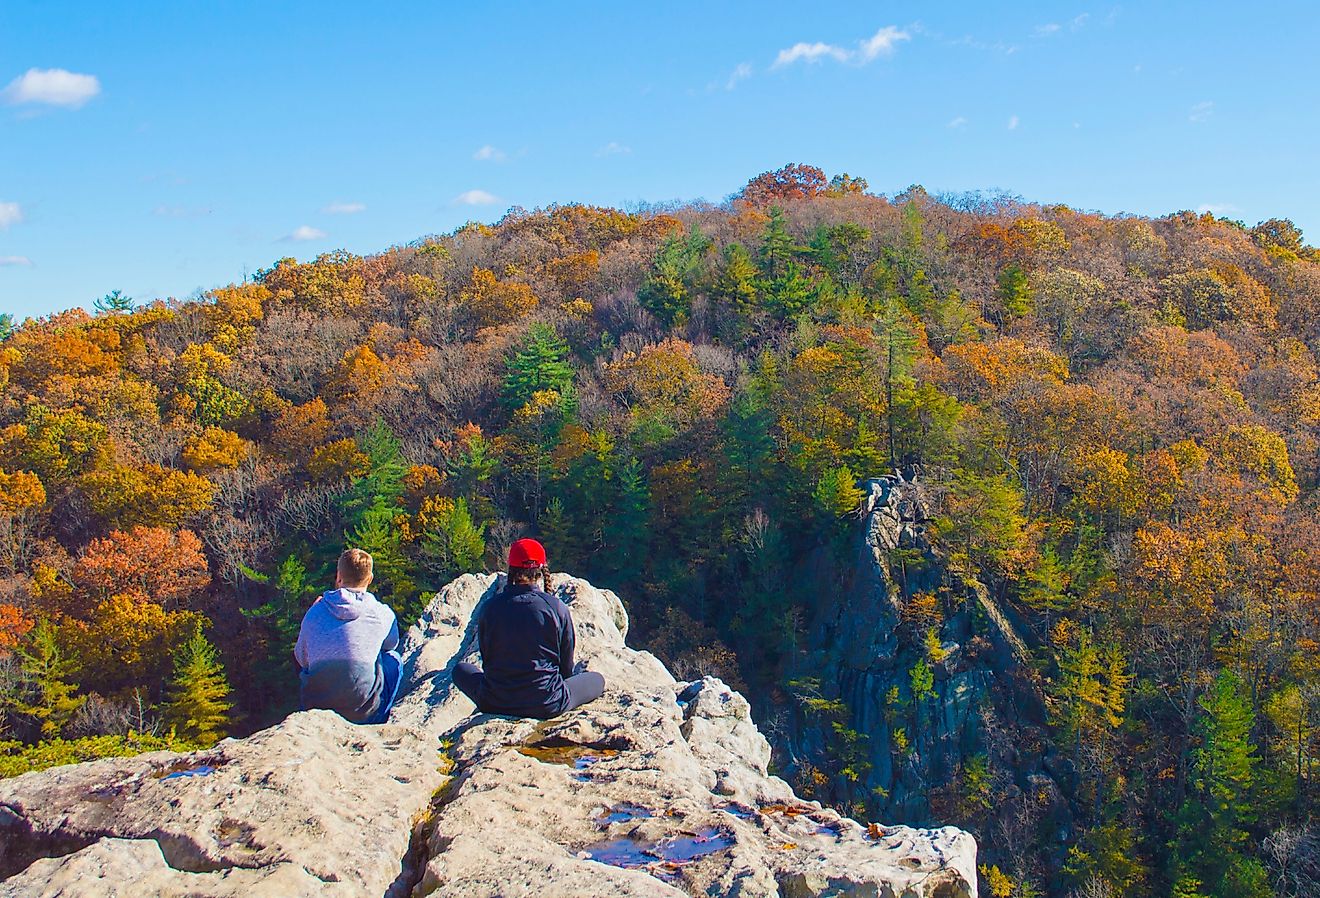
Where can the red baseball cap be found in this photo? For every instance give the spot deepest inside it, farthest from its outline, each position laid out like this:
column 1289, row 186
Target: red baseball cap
column 525, row 553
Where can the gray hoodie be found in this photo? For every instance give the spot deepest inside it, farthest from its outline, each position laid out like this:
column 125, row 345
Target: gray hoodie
column 339, row 645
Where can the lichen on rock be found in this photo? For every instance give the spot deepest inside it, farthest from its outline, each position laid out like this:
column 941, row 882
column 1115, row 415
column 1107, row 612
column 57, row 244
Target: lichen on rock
column 660, row 788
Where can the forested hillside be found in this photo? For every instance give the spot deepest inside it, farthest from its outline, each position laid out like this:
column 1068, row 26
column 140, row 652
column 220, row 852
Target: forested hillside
column 1116, row 418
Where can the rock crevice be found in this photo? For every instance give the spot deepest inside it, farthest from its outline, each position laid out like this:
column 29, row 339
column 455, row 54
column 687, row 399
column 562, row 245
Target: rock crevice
column 658, row 789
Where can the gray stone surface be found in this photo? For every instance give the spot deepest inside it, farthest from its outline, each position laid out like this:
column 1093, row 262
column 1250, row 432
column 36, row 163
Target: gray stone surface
column 660, row 788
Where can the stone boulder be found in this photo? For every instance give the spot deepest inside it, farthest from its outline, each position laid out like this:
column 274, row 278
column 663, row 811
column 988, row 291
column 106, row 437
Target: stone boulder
column 659, row 788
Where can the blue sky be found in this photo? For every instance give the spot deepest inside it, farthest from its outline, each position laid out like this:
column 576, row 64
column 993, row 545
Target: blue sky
column 162, row 148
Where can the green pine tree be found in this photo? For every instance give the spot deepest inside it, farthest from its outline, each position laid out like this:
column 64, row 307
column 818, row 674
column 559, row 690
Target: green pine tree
column 557, row 534
column 541, row 363
column 48, row 675
column 454, row 544
column 778, row 248
column 114, row 302
column 198, row 706
column 736, row 284
column 627, row 534
column 382, row 485
column 377, row 534
column 1016, row 293
column 667, row 291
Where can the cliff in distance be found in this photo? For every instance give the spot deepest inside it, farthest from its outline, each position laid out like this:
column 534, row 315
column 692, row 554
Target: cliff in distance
column 660, row 788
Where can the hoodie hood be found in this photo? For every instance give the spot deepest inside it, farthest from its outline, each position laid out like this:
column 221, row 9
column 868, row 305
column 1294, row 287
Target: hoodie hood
column 347, row 604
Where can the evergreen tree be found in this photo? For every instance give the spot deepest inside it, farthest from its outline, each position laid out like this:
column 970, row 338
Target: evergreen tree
column 556, row 533
column 1213, row 832
column 48, row 675
column 1016, row 293
column 626, row 537
column 377, row 534
column 539, row 364
column 6, row 325
column 453, row 544
column 284, row 611
column 198, row 706
column 666, row 292
column 114, row 302
column 737, row 281
column 778, row 248
column 382, row 485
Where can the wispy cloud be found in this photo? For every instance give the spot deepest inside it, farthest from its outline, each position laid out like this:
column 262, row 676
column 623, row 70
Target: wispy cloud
column 489, row 153
column 1012, row 122
column 303, row 233
column 10, row 214
column 882, row 43
column 343, row 208
column 15, row 262
column 741, row 72
column 52, row 87
column 614, row 148
column 1201, row 111
column 1077, row 23
column 1218, row 209
column 958, row 122
column 476, row 198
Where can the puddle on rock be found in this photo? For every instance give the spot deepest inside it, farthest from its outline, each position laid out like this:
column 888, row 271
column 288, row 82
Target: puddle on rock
column 742, row 812
column 623, row 813
column 661, row 859
column 577, row 755
column 186, row 768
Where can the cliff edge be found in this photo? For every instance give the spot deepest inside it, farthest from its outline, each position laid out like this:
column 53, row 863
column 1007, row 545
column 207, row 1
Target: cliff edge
column 658, row 789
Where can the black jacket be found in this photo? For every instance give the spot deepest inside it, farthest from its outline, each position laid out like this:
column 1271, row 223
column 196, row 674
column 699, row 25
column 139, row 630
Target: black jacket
column 526, row 641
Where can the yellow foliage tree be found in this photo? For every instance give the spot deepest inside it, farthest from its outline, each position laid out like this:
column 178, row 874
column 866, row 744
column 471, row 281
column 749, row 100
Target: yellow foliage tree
column 338, row 460
column 490, row 302
column 214, row 449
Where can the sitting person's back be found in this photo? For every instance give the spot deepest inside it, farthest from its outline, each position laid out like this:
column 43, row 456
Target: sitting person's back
column 345, row 647
column 527, row 645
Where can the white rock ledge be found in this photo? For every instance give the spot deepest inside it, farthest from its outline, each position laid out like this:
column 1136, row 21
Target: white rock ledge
column 674, row 795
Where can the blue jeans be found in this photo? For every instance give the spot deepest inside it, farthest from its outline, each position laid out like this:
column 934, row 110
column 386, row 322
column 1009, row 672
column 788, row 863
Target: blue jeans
column 392, row 665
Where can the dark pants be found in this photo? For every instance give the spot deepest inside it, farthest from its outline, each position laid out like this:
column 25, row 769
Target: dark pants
column 582, row 688
column 392, row 665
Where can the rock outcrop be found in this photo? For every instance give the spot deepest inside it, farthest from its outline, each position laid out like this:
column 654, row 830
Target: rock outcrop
column 981, row 709
column 658, row 789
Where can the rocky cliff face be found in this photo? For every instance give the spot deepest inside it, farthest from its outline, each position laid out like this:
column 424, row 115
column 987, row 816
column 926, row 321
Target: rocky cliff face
column 972, row 744
column 660, row 788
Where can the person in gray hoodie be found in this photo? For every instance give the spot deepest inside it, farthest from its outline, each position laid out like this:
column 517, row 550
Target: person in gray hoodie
column 346, row 647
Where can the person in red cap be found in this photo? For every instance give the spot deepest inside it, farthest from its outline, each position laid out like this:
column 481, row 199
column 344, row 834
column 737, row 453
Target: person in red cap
column 526, row 640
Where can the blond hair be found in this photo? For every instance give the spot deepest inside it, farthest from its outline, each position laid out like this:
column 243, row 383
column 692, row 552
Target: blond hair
column 354, row 568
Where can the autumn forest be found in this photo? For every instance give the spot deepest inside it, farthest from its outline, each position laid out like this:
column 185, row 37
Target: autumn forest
column 1116, row 419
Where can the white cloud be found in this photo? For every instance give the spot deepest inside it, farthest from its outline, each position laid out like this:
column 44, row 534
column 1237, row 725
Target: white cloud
column 881, row 43
column 489, row 153
column 614, row 148
column 1047, row 30
column 810, row 53
column 958, row 122
column 1218, row 209
column 305, row 232
column 741, row 72
column 19, row 261
column 1079, row 23
column 343, row 208
column 10, row 214
column 54, row 87
column 476, row 198
column 1012, row 122
column 1201, row 111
